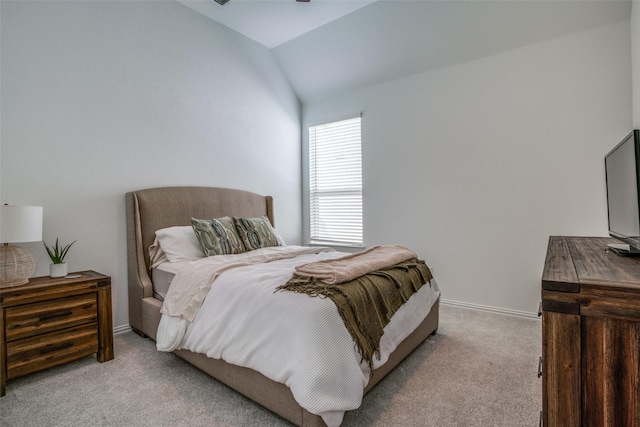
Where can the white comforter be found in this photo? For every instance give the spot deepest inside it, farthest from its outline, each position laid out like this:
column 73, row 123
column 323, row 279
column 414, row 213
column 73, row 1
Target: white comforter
column 290, row 338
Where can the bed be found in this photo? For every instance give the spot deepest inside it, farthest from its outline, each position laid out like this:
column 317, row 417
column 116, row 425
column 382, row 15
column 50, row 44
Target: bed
column 150, row 210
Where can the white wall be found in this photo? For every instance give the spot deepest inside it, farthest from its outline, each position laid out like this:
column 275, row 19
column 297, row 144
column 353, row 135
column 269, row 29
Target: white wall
column 635, row 57
column 101, row 98
column 475, row 165
column 0, row 103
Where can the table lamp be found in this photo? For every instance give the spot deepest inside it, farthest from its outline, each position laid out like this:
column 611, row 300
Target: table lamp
column 18, row 224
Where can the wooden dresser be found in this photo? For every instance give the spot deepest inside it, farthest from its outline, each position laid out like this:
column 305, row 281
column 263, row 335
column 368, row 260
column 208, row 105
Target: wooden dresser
column 48, row 322
column 590, row 335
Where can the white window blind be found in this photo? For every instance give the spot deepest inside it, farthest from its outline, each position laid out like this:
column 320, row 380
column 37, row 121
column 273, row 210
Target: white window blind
column 335, row 182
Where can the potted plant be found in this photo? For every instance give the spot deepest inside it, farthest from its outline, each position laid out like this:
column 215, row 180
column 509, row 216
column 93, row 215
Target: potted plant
column 58, row 268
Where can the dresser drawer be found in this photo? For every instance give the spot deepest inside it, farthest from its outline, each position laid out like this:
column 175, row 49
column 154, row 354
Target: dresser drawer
column 42, row 317
column 44, row 351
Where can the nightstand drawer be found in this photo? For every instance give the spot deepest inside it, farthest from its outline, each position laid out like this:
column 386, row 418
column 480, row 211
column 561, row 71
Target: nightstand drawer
column 55, row 348
column 42, row 317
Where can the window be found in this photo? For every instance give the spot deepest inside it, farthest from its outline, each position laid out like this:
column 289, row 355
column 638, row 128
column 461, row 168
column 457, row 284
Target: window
column 335, row 183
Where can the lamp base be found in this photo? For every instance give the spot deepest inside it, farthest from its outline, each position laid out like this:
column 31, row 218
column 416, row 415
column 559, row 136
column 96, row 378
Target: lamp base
column 16, row 266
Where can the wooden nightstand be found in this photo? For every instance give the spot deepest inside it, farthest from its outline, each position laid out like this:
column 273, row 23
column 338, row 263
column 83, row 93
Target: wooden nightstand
column 48, row 322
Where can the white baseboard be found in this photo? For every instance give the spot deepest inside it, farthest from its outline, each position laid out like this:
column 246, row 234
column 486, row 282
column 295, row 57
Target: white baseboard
column 489, row 308
column 121, row 329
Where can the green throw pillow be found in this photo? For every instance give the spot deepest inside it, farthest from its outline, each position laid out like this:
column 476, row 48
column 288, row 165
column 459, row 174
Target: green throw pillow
column 256, row 233
column 217, row 236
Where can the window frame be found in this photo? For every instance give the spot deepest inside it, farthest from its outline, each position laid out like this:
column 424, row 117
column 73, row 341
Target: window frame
column 354, row 194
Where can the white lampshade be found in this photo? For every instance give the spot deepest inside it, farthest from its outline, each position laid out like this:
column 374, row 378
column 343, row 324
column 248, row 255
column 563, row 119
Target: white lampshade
column 20, row 224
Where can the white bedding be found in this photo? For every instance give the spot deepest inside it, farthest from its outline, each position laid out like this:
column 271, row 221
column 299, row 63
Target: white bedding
column 290, row 338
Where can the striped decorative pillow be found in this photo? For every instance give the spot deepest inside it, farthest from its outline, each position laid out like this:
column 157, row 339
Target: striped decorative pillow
column 217, row 236
column 256, row 233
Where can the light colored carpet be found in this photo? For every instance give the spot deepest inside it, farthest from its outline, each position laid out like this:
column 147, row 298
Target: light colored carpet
column 479, row 370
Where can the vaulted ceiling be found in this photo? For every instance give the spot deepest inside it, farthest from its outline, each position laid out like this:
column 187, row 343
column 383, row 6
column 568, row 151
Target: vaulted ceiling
column 326, row 47
column 273, row 22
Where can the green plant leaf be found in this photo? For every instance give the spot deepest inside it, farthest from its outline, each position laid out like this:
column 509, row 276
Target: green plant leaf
column 57, row 253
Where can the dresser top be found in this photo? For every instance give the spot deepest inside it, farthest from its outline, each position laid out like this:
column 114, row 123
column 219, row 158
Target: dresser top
column 575, row 262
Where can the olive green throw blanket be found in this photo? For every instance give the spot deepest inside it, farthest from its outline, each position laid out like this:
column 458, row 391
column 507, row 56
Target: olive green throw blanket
column 367, row 303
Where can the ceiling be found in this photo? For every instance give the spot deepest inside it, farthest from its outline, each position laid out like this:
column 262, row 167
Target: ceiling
column 329, row 47
column 273, row 22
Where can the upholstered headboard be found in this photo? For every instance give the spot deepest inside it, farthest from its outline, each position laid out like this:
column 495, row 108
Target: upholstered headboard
column 152, row 209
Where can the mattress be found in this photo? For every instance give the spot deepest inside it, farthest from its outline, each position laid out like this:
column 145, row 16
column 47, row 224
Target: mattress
column 314, row 355
column 162, row 275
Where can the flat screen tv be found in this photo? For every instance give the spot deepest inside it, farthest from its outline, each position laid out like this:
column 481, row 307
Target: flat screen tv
column 622, row 167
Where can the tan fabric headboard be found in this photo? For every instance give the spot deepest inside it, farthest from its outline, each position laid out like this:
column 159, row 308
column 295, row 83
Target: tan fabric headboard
column 156, row 208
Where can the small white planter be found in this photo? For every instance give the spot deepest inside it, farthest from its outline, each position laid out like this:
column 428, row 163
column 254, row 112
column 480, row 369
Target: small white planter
column 58, row 270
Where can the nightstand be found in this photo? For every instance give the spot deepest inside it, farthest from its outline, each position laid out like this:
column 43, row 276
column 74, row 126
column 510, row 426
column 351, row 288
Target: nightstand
column 48, row 322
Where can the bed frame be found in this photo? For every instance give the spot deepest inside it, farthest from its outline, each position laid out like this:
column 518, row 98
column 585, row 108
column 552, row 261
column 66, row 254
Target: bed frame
column 155, row 208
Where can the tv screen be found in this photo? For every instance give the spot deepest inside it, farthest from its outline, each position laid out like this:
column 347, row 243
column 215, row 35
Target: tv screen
column 623, row 184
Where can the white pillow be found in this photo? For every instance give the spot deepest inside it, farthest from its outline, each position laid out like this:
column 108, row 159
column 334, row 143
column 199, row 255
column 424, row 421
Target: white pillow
column 179, row 243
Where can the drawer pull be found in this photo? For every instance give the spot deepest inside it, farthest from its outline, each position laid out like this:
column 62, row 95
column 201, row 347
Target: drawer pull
column 55, row 315
column 540, row 309
column 540, row 367
column 51, row 349
column 540, row 424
